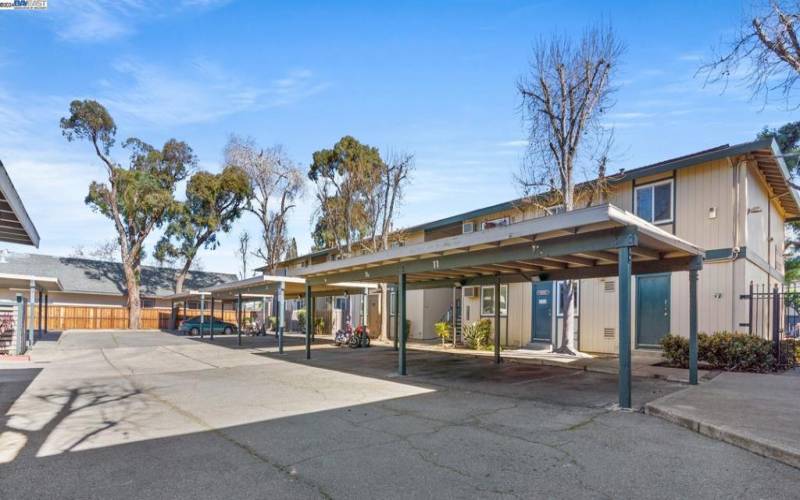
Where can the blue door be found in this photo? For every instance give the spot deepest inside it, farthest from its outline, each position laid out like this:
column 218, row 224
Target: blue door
column 542, row 328
column 652, row 309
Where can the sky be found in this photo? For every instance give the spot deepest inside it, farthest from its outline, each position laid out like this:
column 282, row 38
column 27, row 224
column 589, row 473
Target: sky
column 436, row 79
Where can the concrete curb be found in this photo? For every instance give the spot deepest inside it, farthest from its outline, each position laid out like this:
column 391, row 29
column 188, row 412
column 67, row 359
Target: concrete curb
column 725, row 434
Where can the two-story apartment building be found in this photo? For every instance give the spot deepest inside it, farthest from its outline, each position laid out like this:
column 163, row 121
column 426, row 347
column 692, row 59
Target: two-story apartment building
column 732, row 201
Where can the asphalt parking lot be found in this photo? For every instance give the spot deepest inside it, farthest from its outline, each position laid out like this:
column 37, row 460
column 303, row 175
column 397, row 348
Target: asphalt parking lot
column 152, row 415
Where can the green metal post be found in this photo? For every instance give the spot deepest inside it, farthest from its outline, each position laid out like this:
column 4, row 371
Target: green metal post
column 279, row 314
column 693, row 326
column 202, row 315
column 309, row 321
column 212, row 316
column 401, row 323
column 625, row 327
column 497, row 320
column 393, row 299
column 239, row 318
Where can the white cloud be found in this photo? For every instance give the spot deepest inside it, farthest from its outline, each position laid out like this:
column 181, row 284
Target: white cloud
column 201, row 92
column 518, row 143
column 102, row 20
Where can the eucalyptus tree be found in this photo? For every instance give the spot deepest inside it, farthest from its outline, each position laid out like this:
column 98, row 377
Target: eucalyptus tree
column 564, row 95
column 213, row 203
column 138, row 197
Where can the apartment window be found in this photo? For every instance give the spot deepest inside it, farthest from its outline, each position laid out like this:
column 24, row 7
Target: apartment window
column 487, row 300
column 340, row 303
column 148, row 303
column 560, row 296
column 489, row 224
column 653, row 202
column 392, row 299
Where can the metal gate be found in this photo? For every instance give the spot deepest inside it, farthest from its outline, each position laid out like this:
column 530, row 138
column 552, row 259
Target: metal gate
column 773, row 313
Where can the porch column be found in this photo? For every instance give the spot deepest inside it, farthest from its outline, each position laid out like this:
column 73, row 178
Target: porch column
column 202, row 314
column 309, row 321
column 31, row 317
column 625, row 327
column 172, row 314
column 212, row 315
column 239, row 318
column 400, row 313
column 693, row 270
column 46, row 310
column 39, row 326
column 279, row 314
column 264, row 317
column 394, row 304
column 497, row 320
column 364, row 307
column 184, row 310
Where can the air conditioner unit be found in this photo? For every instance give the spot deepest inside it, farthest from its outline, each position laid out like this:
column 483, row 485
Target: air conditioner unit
column 470, row 291
column 467, row 227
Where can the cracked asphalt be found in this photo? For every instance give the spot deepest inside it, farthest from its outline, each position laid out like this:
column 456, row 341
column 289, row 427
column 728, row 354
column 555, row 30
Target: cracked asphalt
column 152, row 415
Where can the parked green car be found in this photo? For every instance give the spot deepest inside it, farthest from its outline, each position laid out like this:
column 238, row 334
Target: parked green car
column 191, row 326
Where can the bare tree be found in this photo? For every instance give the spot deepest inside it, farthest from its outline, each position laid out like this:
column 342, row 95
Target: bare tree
column 385, row 196
column 765, row 53
column 277, row 183
column 243, row 253
column 103, row 250
column 566, row 91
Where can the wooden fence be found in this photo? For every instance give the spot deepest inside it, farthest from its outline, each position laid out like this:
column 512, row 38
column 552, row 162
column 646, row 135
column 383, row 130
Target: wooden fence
column 111, row 318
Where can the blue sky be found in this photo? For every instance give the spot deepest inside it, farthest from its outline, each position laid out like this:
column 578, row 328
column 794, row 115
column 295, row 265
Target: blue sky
column 433, row 78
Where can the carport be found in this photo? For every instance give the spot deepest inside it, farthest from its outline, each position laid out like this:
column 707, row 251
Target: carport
column 264, row 287
column 594, row 242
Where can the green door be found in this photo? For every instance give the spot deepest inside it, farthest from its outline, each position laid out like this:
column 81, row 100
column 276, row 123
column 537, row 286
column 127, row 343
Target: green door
column 652, row 309
column 542, row 312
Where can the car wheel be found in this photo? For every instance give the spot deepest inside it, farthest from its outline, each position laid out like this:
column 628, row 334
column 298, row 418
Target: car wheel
column 228, row 330
column 194, row 331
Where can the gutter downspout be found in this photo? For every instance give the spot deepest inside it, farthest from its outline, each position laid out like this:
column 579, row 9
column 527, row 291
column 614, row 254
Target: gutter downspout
column 737, row 169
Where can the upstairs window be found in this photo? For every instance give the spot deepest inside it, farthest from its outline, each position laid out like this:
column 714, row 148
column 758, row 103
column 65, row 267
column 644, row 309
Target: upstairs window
column 653, row 202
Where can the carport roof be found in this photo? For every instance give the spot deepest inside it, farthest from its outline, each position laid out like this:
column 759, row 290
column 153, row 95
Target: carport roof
column 16, row 225
column 573, row 245
column 268, row 285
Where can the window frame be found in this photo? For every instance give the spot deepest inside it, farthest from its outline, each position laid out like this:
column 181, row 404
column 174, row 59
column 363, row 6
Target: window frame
column 652, row 186
column 503, row 288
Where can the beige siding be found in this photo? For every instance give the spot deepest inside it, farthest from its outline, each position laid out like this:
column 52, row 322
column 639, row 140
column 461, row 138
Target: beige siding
column 699, row 190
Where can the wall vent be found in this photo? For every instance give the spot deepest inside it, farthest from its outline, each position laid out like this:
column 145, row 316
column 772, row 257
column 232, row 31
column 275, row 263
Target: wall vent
column 468, row 227
column 608, row 333
column 608, row 286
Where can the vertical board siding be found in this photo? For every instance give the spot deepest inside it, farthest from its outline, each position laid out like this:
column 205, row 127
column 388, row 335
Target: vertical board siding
column 697, row 189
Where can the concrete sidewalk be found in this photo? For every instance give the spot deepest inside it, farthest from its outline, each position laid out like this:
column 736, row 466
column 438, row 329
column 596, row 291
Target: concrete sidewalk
column 644, row 364
column 756, row 412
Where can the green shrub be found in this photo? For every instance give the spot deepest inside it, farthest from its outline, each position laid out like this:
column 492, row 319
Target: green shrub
column 478, row 335
column 319, row 326
column 301, row 318
column 730, row 351
column 443, row 331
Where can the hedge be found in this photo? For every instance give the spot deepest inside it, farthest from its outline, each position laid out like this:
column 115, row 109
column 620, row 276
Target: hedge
column 731, row 352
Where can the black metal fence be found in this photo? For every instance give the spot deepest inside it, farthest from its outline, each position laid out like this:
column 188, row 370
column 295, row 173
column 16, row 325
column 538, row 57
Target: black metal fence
column 773, row 313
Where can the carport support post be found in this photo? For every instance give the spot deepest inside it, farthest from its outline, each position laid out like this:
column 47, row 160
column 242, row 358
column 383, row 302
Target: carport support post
column 212, row 316
column 30, row 313
column 202, row 314
column 46, row 310
column 693, row 321
column 625, row 327
column 39, row 329
column 279, row 314
column 393, row 305
column 497, row 358
column 309, row 321
column 401, row 322
column 239, row 318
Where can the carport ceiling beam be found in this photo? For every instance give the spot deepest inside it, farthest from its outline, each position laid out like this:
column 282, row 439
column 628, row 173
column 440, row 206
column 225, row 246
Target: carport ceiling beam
column 586, row 242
